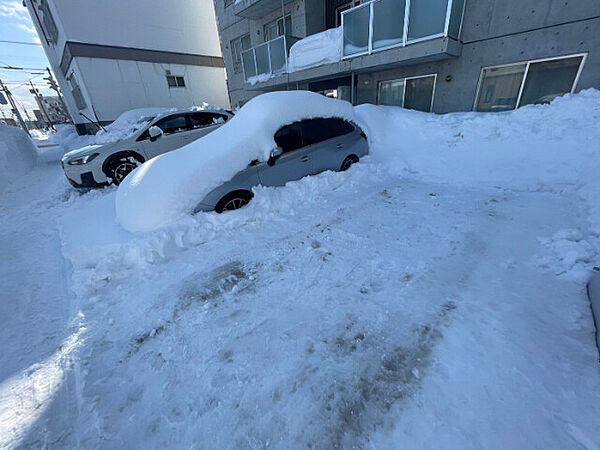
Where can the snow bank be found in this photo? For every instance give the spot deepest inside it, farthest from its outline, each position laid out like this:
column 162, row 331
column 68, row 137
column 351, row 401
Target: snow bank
column 169, row 186
column 316, row 50
column 17, row 154
column 539, row 147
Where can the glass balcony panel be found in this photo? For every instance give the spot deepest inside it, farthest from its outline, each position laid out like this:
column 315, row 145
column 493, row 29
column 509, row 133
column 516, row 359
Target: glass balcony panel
column 356, row 30
column 427, row 18
column 249, row 67
column 388, row 22
column 277, row 48
column 262, row 59
column 456, row 18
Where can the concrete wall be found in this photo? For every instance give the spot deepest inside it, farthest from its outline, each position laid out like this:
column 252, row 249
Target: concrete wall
column 494, row 32
column 232, row 27
column 459, row 94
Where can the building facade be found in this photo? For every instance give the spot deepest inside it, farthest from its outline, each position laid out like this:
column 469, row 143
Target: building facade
column 430, row 55
column 112, row 56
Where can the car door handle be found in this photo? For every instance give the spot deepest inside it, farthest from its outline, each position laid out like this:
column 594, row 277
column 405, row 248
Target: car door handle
column 305, row 158
column 340, row 146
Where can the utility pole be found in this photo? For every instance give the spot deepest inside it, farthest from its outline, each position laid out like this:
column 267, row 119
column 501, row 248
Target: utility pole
column 40, row 100
column 13, row 105
column 52, row 84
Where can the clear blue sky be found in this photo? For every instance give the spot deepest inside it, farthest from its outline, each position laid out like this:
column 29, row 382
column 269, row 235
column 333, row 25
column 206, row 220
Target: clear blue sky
column 15, row 25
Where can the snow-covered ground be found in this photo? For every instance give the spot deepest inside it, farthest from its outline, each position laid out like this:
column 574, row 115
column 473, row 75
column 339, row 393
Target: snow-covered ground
column 433, row 296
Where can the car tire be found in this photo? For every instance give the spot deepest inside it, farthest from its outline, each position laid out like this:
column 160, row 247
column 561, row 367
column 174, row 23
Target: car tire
column 352, row 159
column 233, row 200
column 118, row 168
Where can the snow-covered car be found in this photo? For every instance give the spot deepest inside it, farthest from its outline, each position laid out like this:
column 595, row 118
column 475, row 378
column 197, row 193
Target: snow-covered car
column 275, row 138
column 129, row 143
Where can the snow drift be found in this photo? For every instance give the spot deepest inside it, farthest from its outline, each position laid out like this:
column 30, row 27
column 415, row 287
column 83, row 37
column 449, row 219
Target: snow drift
column 534, row 147
column 169, row 186
column 316, row 50
column 18, row 154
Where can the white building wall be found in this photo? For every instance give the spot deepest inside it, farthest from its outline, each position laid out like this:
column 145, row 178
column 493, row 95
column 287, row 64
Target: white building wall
column 186, row 26
column 142, row 84
column 113, row 86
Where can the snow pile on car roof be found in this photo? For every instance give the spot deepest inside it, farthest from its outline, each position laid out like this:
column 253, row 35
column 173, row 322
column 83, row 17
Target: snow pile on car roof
column 17, row 153
column 126, row 124
column 169, row 186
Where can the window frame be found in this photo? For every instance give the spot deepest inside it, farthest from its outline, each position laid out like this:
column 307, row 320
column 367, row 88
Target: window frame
column 404, row 79
column 297, row 123
column 184, row 115
column 524, row 80
column 239, row 39
column 178, row 80
column 213, row 123
column 304, row 122
column 284, row 30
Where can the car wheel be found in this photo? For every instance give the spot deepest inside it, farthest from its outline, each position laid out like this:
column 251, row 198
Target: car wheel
column 352, row 159
column 234, row 200
column 119, row 168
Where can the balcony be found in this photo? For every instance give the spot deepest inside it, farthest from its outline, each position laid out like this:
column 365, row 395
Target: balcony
column 383, row 24
column 268, row 59
column 256, row 9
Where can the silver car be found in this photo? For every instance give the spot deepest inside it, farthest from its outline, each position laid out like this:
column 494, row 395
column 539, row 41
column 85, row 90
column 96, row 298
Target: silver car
column 303, row 148
column 100, row 165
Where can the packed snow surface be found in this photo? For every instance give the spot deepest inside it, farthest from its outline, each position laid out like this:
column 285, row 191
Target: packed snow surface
column 316, row 50
column 17, row 154
column 168, row 187
column 419, row 300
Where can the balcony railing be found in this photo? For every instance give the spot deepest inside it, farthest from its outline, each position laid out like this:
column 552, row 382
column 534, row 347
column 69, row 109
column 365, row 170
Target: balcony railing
column 269, row 58
column 382, row 24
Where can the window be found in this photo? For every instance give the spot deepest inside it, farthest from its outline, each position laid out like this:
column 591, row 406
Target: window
column 501, row 88
column 410, row 93
column 508, row 87
column 238, row 45
column 275, row 28
column 289, row 138
column 205, row 119
column 319, row 130
column 340, row 9
column 418, row 93
column 76, row 93
column 172, row 124
column 48, row 22
column 174, row 81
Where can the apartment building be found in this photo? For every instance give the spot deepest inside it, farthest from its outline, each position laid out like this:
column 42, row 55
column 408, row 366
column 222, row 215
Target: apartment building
column 111, row 56
column 429, row 55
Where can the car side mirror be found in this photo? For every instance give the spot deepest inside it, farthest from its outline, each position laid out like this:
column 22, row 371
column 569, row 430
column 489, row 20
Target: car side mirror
column 155, row 132
column 274, row 156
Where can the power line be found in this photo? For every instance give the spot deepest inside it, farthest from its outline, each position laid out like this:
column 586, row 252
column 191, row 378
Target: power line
column 19, row 42
column 23, row 69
